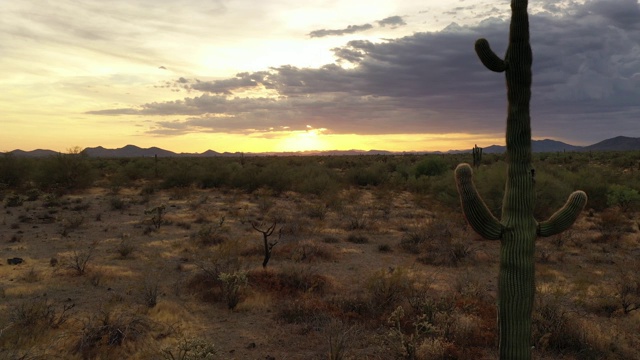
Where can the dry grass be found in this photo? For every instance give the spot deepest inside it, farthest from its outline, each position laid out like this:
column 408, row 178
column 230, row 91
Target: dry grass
column 362, row 275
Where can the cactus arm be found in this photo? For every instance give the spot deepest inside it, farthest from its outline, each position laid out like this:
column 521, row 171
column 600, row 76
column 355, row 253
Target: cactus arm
column 565, row 217
column 475, row 210
column 489, row 59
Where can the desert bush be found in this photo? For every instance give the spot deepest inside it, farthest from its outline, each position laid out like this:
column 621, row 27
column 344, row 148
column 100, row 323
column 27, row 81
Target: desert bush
column 387, row 287
column 39, row 312
column 623, row 197
column 551, row 193
column 125, row 248
column 157, row 216
column 373, row 175
column 340, row 337
column 289, row 280
column 315, row 180
column 317, row 210
column 33, row 194
column 628, row 290
column 79, row 260
column 210, row 234
column 178, row 174
column 64, row 172
column 596, row 185
column 191, row 349
column 14, row 172
column 431, row 166
column 13, row 200
column 419, row 337
column 108, row 328
column 421, row 233
column 71, row 223
column 554, row 329
column 206, row 285
column 357, row 217
column 612, row 225
column 150, row 291
column 32, row 276
column 232, row 284
column 307, row 251
column 52, row 200
column 433, row 349
column 329, row 239
column 486, row 179
column 384, row 248
column 117, row 203
column 30, row 320
column 357, row 239
column 436, row 242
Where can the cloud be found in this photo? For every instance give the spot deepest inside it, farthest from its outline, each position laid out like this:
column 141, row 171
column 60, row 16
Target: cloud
column 348, row 30
column 586, row 84
column 392, row 21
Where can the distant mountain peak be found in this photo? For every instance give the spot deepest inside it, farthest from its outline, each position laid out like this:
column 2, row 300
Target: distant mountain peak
column 618, row 143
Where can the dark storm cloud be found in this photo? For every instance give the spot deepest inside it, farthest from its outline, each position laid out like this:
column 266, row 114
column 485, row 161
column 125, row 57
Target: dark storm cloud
column 623, row 13
column 392, row 21
column 586, row 84
column 348, row 30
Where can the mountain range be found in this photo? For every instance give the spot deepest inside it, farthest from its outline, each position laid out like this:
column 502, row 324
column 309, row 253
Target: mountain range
column 619, row 143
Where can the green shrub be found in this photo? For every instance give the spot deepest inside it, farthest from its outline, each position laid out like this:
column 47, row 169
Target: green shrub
column 623, row 197
column 373, row 175
column 71, row 171
column 431, row 166
column 13, row 171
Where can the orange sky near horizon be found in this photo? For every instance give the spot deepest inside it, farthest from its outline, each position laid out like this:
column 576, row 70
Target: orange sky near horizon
column 249, row 75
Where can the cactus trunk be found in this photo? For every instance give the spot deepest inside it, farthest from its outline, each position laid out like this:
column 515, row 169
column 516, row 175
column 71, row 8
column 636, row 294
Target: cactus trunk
column 517, row 230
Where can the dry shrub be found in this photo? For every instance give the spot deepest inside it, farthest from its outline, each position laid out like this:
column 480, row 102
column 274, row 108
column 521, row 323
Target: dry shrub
column 357, row 239
column 125, row 248
column 554, row 327
column 387, row 288
column 340, row 338
column 433, row 349
column 32, row 318
column 465, row 330
column 206, row 285
column 79, row 260
column 437, row 243
column 289, row 280
column 353, row 306
column 108, row 329
column 612, row 225
column 308, row 251
column 304, row 310
column 210, row 235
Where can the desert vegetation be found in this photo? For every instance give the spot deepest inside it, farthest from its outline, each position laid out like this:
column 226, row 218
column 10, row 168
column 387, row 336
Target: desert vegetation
column 373, row 258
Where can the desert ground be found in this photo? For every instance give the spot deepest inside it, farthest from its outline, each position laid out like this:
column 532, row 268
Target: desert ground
column 144, row 272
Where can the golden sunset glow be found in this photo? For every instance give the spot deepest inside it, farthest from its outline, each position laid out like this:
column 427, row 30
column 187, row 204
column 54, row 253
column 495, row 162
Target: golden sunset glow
column 311, row 139
column 259, row 76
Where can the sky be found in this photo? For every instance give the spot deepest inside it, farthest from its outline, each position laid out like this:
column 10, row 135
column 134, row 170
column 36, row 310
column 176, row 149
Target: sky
column 281, row 75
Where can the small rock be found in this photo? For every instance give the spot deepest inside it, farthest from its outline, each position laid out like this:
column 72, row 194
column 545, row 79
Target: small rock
column 15, row 261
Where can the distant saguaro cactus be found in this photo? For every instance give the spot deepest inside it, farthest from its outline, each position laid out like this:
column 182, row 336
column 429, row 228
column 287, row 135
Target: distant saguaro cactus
column 517, row 229
column 477, row 155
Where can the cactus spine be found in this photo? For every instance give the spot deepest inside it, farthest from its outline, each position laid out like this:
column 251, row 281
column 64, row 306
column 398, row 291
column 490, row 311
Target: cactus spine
column 517, row 229
column 477, row 155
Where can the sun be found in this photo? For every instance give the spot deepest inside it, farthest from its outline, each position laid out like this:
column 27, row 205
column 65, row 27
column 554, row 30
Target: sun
column 310, row 139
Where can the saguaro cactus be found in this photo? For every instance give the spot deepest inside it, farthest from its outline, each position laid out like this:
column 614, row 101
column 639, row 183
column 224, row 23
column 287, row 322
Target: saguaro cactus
column 477, row 155
column 517, row 229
